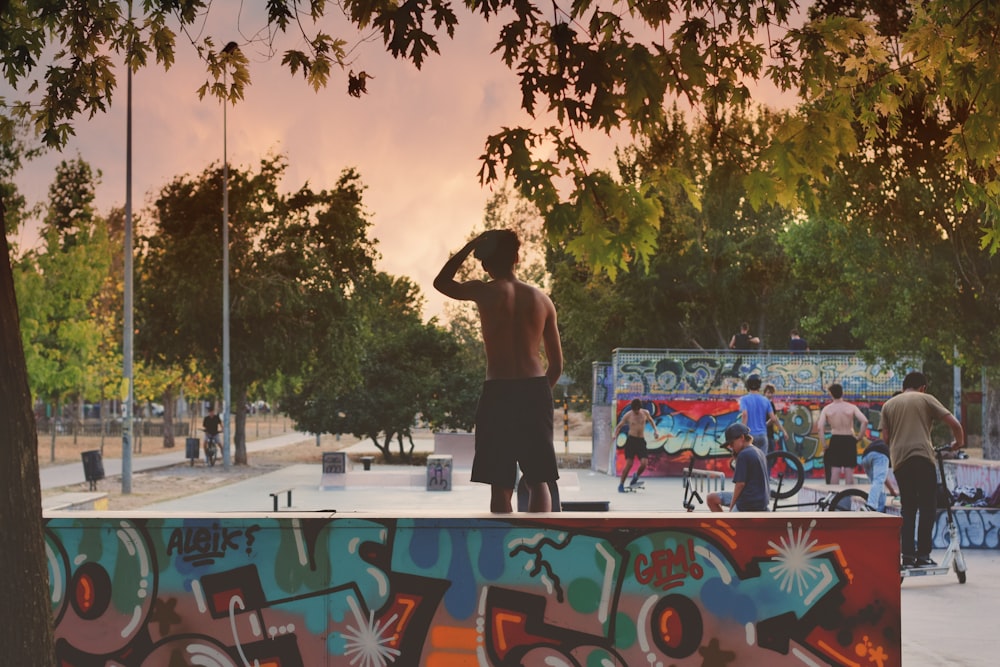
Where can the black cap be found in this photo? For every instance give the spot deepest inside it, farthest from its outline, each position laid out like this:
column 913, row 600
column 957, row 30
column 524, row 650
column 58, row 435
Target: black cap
column 735, row 431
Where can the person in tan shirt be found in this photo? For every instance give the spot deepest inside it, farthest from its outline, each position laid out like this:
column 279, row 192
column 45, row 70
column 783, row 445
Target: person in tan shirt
column 907, row 420
column 841, row 456
column 514, row 417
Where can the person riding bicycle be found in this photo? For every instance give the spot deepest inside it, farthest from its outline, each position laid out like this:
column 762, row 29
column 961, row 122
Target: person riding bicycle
column 212, row 425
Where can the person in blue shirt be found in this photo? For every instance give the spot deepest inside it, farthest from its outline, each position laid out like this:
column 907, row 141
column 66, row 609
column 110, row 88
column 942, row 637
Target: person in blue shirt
column 750, row 489
column 756, row 412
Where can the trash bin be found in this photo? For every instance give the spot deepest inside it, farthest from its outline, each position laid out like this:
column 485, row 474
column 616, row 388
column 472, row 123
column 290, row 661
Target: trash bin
column 191, row 448
column 93, row 467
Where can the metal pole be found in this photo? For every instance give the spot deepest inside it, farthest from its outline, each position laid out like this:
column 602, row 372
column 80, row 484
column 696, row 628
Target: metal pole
column 128, row 393
column 957, row 388
column 225, row 280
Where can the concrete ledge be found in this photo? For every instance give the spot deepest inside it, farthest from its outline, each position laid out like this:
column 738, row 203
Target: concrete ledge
column 461, row 447
column 77, row 501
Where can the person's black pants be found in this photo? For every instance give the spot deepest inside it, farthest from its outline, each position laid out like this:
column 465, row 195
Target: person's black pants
column 917, row 481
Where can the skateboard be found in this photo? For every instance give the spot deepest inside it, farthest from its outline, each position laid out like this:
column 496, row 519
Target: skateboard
column 634, row 488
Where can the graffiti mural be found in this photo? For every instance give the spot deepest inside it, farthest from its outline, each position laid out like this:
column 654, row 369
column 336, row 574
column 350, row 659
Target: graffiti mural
column 700, row 374
column 694, row 396
column 697, row 428
column 291, row 591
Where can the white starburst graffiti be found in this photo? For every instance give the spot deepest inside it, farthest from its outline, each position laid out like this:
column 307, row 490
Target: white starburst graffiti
column 797, row 558
column 366, row 642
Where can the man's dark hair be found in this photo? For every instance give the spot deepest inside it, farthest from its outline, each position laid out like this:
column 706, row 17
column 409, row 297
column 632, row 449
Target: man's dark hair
column 836, row 390
column 636, row 405
column 499, row 252
column 753, row 383
column 914, row 380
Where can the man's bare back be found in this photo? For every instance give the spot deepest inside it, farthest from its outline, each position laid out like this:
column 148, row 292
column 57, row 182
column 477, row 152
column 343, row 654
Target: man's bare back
column 841, row 416
column 514, row 317
column 517, row 321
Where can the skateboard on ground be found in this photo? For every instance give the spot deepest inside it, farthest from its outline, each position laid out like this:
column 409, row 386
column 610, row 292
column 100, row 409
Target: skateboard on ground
column 634, row 488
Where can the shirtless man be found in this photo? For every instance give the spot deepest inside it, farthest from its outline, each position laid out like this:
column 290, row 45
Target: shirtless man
column 841, row 456
column 514, row 417
column 634, row 421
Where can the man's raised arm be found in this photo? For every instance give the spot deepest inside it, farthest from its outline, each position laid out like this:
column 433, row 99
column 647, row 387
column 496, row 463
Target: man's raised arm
column 445, row 281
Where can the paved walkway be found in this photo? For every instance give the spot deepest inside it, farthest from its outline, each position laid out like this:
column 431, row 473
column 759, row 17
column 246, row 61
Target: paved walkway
column 67, row 474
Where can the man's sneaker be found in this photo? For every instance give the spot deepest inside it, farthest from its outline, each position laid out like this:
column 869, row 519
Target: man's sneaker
column 635, row 482
column 908, row 561
column 621, row 488
column 925, row 561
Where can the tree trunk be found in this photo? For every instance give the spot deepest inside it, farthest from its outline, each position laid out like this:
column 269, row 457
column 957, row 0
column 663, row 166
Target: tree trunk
column 26, row 634
column 991, row 414
column 103, row 422
column 239, row 432
column 168, row 417
column 53, row 428
column 386, row 452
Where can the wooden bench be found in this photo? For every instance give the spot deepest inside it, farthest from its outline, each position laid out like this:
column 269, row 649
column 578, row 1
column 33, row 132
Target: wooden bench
column 275, row 494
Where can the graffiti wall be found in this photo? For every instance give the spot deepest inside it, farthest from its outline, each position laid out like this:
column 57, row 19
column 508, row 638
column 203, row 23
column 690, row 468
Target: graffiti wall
column 229, row 591
column 694, row 396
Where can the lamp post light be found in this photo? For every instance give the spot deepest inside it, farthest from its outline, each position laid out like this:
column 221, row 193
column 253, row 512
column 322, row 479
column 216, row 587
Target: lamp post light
column 226, row 398
column 128, row 391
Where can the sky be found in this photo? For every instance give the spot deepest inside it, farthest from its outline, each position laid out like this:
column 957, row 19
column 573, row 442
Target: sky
column 415, row 138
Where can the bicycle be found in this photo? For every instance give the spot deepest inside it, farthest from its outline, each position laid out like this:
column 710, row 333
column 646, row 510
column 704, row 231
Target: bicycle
column 211, row 448
column 690, row 492
column 786, row 478
column 781, row 466
column 833, row 501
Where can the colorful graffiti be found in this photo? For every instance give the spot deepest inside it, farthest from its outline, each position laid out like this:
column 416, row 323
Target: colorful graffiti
column 291, row 591
column 694, row 396
column 720, row 374
column 697, row 427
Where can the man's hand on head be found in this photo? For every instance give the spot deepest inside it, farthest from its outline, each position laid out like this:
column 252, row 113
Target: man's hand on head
column 485, row 244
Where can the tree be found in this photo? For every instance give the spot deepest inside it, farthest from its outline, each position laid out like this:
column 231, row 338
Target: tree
column 294, row 261
column 59, row 287
column 410, row 370
column 23, row 590
column 892, row 260
column 716, row 264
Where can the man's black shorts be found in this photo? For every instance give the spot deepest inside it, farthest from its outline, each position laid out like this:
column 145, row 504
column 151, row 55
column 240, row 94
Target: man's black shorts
column 635, row 446
column 514, row 427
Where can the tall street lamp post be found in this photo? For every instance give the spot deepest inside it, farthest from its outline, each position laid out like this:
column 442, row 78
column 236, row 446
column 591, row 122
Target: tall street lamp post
column 128, row 391
column 226, row 398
